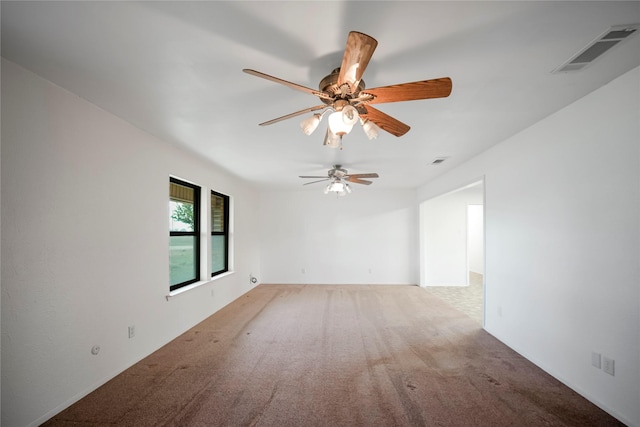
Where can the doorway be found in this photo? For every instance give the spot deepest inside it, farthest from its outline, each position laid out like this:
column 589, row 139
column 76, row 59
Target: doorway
column 452, row 248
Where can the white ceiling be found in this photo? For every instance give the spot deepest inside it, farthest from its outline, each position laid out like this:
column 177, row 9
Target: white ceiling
column 174, row 69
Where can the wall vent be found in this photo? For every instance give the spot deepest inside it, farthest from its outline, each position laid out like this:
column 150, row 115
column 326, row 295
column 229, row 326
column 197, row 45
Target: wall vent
column 598, row 47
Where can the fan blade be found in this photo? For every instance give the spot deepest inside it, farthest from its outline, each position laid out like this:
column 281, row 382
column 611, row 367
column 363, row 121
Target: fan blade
column 358, row 180
column 297, row 113
column 289, row 84
column 312, row 176
column 356, row 57
column 425, row 89
column 363, row 175
column 385, row 121
column 314, row 182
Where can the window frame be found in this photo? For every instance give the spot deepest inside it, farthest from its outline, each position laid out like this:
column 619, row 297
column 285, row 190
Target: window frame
column 195, row 233
column 224, row 233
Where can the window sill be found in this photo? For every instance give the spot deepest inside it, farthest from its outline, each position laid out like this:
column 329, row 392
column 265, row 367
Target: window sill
column 195, row 285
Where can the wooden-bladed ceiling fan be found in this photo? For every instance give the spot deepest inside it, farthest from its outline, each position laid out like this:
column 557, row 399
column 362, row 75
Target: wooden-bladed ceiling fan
column 339, row 179
column 344, row 92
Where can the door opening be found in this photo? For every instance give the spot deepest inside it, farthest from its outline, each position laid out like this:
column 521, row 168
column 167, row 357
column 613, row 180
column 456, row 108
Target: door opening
column 452, row 248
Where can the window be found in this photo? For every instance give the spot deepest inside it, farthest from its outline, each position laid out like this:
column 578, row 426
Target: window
column 184, row 233
column 219, row 233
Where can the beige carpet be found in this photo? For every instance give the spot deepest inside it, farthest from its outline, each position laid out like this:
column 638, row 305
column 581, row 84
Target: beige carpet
column 288, row 355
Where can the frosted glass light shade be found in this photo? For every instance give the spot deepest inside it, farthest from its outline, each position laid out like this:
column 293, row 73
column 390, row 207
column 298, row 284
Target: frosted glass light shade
column 350, row 115
column 336, row 186
column 331, row 139
column 337, row 125
column 310, row 124
column 370, row 129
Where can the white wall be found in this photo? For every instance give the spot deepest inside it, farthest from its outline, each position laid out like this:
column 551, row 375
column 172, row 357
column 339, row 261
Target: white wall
column 475, row 238
column 562, row 220
column 443, row 237
column 85, row 246
column 367, row 237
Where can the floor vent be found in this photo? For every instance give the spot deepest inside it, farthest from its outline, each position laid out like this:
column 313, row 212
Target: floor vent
column 596, row 48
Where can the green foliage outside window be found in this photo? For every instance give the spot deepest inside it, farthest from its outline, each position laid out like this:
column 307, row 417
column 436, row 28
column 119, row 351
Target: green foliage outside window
column 183, row 213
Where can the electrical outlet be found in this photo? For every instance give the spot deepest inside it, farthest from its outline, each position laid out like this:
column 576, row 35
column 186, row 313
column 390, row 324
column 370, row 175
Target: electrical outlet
column 608, row 365
column 132, row 331
column 595, row 359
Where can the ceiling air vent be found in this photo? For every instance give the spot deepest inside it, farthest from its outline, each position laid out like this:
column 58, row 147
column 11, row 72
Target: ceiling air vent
column 599, row 46
column 438, row 161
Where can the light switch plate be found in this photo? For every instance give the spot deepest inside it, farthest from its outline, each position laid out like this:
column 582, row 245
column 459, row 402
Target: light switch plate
column 608, row 365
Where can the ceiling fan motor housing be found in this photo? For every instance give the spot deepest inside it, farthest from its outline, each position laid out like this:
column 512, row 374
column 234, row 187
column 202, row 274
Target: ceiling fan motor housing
column 329, row 84
column 337, row 172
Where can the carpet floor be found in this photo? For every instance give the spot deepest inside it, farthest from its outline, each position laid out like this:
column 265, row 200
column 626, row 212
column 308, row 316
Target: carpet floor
column 303, row 355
